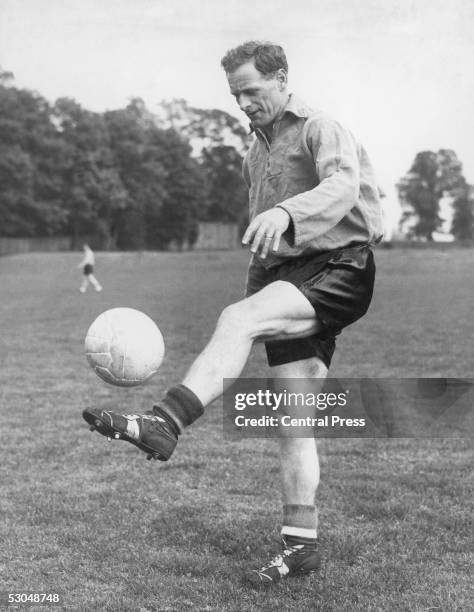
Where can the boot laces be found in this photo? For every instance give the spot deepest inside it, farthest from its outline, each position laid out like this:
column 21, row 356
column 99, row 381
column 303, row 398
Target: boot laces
column 279, row 559
column 147, row 416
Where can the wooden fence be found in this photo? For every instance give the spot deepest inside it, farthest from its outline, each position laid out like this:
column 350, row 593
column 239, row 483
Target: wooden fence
column 212, row 236
column 10, row 246
column 217, row 236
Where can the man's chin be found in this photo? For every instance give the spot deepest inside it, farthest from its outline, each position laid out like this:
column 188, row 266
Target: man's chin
column 259, row 123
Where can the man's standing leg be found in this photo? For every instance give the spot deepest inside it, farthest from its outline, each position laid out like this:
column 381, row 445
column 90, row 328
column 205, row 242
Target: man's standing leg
column 299, row 467
column 298, row 456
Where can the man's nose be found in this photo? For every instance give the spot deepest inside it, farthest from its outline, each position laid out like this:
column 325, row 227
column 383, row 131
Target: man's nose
column 243, row 102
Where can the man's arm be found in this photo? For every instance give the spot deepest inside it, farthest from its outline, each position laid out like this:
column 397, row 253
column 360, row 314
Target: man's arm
column 313, row 213
column 334, row 151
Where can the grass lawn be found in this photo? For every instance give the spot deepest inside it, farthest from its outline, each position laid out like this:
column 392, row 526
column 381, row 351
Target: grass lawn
column 108, row 530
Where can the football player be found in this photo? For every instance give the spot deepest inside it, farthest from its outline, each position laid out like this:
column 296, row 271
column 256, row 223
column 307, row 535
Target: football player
column 314, row 215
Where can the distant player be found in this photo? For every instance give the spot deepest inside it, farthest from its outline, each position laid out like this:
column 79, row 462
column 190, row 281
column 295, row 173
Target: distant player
column 87, row 265
column 314, row 214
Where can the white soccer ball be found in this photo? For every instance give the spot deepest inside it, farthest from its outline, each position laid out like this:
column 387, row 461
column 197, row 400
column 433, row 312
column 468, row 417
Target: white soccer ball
column 124, row 347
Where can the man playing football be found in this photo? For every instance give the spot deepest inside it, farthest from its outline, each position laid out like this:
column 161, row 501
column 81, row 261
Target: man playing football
column 314, row 214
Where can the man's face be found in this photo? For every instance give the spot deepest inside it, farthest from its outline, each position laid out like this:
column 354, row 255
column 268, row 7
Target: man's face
column 262, row 99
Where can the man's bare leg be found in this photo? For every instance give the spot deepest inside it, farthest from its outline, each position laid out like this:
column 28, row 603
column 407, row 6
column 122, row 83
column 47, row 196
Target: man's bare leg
column 299, row 477
column 279, row 310
column 298, row 455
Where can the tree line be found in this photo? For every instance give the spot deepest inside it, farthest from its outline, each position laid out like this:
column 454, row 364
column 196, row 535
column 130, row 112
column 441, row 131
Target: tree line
column 128, row 176
column 136, row 179
column 432, row 177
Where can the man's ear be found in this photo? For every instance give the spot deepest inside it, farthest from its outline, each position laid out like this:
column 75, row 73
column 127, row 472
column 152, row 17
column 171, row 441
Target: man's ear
column 282, row 79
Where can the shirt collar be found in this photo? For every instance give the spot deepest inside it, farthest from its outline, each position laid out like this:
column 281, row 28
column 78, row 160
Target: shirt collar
column 297, row 107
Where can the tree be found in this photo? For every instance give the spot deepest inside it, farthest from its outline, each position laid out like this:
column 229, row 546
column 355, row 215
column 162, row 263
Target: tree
column 165, row 185
column 203, row 128
column 218, row 141
column 431, row 177
column 16, row 192
column 31, row 163
column 125, row 175
column 185, row 194
column 227, row 196
column 94, row 193
column 6, row 77
column 462, row 226
column 138, row 161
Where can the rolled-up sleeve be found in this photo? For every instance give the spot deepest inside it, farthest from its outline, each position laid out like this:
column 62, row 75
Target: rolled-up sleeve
column 335, row 155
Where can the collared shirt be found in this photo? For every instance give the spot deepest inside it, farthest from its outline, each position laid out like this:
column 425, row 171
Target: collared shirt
column 315, row 170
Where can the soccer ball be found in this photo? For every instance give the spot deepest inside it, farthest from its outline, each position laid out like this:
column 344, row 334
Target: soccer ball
column 124, row 347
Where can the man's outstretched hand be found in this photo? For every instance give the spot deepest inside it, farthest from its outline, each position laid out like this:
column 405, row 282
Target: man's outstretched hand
column 266, row 230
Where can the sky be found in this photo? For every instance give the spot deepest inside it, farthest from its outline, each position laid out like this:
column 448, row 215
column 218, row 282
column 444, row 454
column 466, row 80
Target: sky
column 398, row 73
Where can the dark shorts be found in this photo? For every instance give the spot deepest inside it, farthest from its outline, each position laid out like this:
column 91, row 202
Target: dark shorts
column 339, row 286
column 88, row 269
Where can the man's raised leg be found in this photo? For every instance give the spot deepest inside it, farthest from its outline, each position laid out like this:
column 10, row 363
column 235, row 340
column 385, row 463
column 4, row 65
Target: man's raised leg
column 279, row 310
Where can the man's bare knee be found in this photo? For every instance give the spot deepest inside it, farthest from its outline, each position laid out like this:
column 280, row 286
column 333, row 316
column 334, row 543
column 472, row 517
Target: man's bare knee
column 243, row 318
column 235, row 318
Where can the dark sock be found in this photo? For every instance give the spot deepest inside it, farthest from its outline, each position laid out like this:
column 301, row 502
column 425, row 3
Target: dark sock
column 180, row 405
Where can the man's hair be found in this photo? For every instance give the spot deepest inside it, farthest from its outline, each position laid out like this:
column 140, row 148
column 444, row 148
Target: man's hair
column 267, row 56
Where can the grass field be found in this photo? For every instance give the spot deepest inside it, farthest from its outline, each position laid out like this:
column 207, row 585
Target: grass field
column 107, row 530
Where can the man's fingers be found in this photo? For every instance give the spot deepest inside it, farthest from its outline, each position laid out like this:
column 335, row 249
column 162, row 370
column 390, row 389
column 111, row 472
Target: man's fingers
column 261, row 239
column 255, row 232
column 248, row 234
column 257, row 239
column 262, row 235
column 250, row 231
column 276, row 241
column 266, row 245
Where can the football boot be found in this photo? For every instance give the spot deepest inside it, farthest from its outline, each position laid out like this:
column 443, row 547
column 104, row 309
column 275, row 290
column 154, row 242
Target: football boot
column 152, row 432
column 295, row 560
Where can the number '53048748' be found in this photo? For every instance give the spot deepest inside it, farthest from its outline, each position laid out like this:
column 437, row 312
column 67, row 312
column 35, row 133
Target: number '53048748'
column 33, row 598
